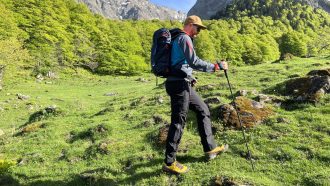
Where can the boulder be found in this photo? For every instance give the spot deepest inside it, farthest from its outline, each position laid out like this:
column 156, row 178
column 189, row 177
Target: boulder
column 324, row 72
column 251, row 113
column 310, row 88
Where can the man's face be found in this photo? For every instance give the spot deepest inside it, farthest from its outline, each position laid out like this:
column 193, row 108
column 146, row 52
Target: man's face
column 196, row 29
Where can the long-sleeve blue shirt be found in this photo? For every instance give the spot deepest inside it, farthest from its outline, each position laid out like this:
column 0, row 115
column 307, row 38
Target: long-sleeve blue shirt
column 184, row 59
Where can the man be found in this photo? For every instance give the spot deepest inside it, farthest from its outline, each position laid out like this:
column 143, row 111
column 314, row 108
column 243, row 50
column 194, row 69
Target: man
column 184, row 97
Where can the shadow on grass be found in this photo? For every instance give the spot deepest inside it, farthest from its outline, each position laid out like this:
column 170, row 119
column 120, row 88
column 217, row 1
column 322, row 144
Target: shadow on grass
column 97, row 177
column 8, row 180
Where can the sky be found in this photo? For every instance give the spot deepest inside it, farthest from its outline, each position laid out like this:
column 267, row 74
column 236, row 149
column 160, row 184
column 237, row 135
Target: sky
column 182, row 5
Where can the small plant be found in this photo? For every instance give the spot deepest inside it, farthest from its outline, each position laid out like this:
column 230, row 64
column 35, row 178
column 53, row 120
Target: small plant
column 5, row 164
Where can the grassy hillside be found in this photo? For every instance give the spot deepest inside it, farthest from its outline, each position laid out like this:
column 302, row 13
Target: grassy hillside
column 49, row 35
column 93, row 139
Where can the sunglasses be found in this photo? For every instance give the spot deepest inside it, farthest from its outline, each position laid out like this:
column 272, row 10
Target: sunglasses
column 198, row 28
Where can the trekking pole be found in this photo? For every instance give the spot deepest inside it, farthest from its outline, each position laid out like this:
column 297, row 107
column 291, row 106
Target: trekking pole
column 240, row 122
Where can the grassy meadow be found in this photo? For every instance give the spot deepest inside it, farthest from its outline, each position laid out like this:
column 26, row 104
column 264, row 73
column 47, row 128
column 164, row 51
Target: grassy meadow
column 105, row 131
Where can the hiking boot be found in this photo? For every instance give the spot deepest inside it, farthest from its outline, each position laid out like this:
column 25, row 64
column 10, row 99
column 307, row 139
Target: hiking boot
column 175, row 168
column 213, row 153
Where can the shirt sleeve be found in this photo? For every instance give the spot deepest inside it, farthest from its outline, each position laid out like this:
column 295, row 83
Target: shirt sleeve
column 193, row 60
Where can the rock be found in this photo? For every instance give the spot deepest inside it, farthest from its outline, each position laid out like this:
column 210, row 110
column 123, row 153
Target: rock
column 206, row 88
column 63, row 155
column 215, row 100
column 51, row 75
column 51, row 109
column 226, row 181
column 29, row 106
column 160, row 99
column 294, row 76
column 93, row 134
column 310, row 88
column 242, row 93
column 263, row 98
column 47, row 112
column 246, row 92
column 250, row 111
column 132, row 9
column 206, row 9
column 138, row 101
column 110, row 94
column 2, row 132
column 32, row 127
column 325, row 72
column 40, row 77
column 159, row 120
column 95, row 149
column 286, row 57
column 22, row 97
column 282, row 120
column 254, row 92
column 142, row 80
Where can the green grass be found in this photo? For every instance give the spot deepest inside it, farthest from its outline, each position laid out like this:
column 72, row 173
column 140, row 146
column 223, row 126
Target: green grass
column 67, row 150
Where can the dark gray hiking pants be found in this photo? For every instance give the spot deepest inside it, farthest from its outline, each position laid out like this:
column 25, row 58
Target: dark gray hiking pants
column 183, row 98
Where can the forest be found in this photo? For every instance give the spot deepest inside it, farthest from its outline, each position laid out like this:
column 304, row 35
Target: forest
column 44, row 35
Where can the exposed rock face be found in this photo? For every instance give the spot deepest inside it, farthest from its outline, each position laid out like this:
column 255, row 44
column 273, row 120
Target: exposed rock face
column 208, row 8
column 132, row 9
column 250, row 112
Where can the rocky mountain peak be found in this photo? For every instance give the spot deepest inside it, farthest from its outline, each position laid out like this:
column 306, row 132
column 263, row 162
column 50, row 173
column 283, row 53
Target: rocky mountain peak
column 132, row 9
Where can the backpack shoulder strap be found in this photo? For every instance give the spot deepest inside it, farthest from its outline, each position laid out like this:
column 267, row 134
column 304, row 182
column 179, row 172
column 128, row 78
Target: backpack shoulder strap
column 176, row 32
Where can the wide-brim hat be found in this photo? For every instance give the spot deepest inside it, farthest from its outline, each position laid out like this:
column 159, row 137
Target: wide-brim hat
column 193, row 19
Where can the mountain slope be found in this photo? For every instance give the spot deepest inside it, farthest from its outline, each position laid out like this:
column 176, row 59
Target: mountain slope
column 132, row 9
column 208, row 9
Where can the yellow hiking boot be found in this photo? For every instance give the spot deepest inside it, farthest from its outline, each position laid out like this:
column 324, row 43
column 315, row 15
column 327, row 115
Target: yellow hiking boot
column 176, row 168
column 213, row 153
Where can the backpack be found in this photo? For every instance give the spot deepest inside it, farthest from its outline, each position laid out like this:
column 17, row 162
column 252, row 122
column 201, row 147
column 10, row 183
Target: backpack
column 161, row 51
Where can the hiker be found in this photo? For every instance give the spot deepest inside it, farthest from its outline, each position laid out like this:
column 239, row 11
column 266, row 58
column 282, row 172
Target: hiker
column 183, row 97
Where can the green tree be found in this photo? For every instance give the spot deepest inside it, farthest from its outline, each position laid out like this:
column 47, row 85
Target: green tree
column 294, row 43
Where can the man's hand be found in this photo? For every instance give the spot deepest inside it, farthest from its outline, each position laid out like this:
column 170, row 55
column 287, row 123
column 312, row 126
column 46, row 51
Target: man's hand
column 193, row 82
column 223, row 65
